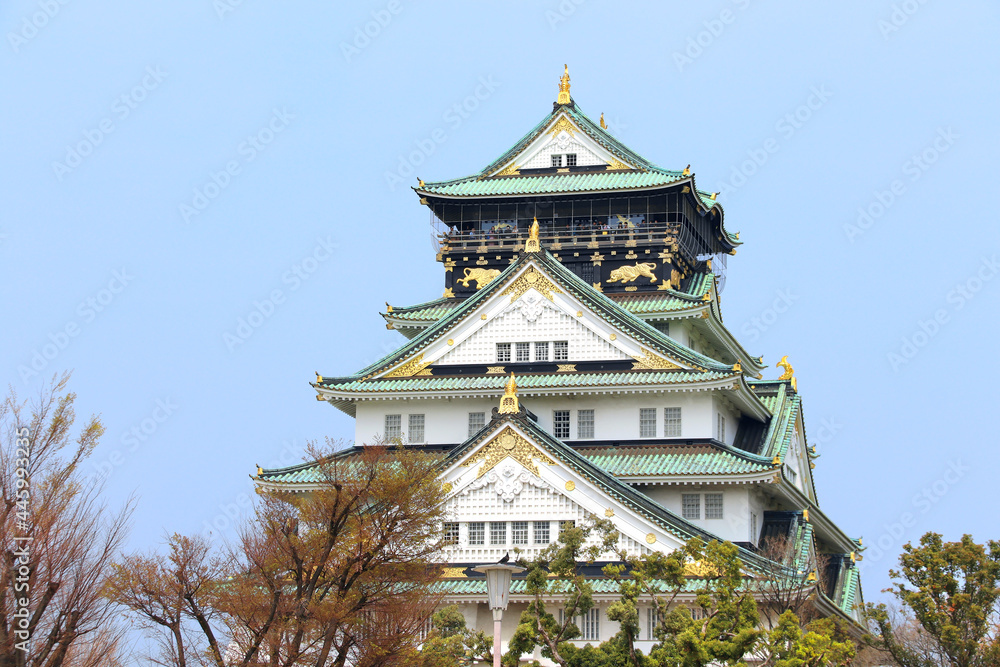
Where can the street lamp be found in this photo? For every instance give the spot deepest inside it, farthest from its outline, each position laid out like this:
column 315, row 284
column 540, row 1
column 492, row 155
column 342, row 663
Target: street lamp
column 498, row 591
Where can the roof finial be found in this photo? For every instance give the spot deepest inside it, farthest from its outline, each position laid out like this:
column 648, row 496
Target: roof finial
column 604, row 125
column 508, row 403
column 532, row 245
column 564, row 87
column 789, row 373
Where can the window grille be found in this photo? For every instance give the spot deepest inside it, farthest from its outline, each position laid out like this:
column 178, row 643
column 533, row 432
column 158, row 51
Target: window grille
column 691, row 505
column 671, row 422
column 498, row 532
column 393, row 427
column 560, row 423
column 713, row 505
column 557, row 160
column 542, row 532
column 542, row 351
column 662, row 327
column 519, row 532
column 451, row 533
column 416, row 433
column 590, row 626
column 503, row 352
column 561, row 350
column 523, row 352
column 753, row 527
column 720, row 427
column 477, row 533
column 652, row 620
column 584, row 424
column 477, row 420
column 571, row 160
column 647, row 422
column 587, row 273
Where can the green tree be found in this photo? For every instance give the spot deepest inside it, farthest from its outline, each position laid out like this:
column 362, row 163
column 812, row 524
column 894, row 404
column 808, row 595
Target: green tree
column 952, row 590
column 450, row 643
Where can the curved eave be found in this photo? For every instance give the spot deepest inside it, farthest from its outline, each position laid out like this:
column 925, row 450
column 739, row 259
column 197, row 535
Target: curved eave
column 750, row 363
column 825, row 527
column 728, row 478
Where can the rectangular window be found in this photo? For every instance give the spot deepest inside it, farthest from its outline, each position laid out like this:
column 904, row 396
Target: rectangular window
column 416, row 433
column 560, row 423
column 691, row 505
column 584, row 424
column 753, row 527
column 590, row 626
column 519, row 532
column 542, row 351
column 393, row 427
column 523, row 352
column 541, row 532
column 713, row 505
column 720, row 427
column 503, row 352
column 498, row 532
column 557, row 160
column 561, row 350
column 662, row 327
column 671, row 422
column 451, row 533
column 477, row 420
column 477, row 533
column 587, row 273
column 571, row 160
column 652, row 620
column 647, row 422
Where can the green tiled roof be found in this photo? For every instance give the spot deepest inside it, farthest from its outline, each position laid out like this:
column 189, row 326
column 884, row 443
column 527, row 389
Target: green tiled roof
column 851, row 585
column 674, row 460
column 525, row 382
column 423, row 312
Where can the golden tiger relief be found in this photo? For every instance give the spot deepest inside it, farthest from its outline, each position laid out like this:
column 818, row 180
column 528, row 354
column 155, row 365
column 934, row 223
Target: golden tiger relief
column 481, row 276
column 627, row 274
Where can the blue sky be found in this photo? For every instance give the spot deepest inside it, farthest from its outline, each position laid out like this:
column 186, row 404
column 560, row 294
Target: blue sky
column 168, row 169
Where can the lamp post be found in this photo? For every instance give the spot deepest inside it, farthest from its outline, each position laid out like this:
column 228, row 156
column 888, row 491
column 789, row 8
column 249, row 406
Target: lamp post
column 498, row 591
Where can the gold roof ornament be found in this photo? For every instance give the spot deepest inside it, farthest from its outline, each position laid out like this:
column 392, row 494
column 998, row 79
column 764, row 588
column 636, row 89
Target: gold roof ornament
column 388, row 307
column 776, row 461
column 532, row 244
column 604, row 125
column 260, row 471
column 564, row 97
column 812, row 576
column 789, row 373
column 687, row 171
column 420, row 182
column 508, row 402
column 805, row 515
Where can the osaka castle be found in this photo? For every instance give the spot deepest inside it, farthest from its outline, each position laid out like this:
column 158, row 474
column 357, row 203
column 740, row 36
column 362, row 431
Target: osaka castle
column 576, row 363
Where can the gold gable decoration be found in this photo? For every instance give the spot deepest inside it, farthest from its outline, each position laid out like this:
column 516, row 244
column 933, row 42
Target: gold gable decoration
column 700, row 569
column 532, row 244
column 562, row 125
column 617, row 165
column 651, row 361
column 531, row 279
column 414, row 366
column 508, row 443
column 511, row 170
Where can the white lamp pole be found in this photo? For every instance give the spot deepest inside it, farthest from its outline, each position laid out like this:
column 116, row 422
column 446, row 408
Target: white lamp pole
column 498, row 591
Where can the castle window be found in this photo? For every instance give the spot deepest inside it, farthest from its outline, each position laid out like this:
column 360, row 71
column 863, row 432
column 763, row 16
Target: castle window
column 720, row 427
column 590, row 626
column 541, row 351
column 416, row 433
column 584, row 424
column 560, row 423
column 541, row 532
column 519, row 532
column 523, row 352
column 662, row 327
column 477, row 420
column 753, row 527
column 450, row 533
column 647, row 422
column 477, row 533
column 671, row 422
column 571, row 160
column 713, row 505
column 587, row 272
column 557, row 160
column 393, row 427
column 652, row 620
column 503, row 352
column 498, row 532
column 691, row 505
column 561, row 350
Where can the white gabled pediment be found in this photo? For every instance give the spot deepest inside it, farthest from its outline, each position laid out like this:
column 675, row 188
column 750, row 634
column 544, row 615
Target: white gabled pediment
column 529, row 306
column 509, row 477
column 562, row 136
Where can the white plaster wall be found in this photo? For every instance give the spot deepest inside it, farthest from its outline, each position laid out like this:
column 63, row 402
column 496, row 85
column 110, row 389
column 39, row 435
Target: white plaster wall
column 446, row 421
column 733, row 525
